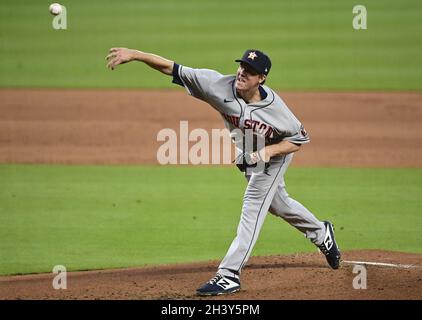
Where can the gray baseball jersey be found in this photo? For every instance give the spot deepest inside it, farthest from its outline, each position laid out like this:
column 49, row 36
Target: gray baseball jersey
column 272, row 119
column 269, row 117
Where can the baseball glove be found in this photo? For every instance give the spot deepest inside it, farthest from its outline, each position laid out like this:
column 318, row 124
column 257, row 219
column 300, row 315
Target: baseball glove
column 250, row 160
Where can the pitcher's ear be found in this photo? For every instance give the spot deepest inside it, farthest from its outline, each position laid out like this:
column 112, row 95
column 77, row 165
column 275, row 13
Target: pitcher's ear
column 263, row 78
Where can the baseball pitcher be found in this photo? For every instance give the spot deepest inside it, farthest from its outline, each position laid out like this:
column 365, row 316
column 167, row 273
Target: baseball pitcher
column 246, row 104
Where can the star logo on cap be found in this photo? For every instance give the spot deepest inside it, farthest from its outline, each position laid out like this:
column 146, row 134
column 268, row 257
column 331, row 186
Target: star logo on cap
column 252, row 55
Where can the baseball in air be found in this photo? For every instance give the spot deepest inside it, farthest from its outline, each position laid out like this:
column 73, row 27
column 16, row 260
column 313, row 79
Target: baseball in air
column 55, row 9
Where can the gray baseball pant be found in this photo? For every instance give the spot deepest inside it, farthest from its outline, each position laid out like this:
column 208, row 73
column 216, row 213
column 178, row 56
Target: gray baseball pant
column 267, row 192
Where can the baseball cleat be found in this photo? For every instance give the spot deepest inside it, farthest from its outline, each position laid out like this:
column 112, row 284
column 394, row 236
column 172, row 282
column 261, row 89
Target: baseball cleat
column 329, row 247
column 219, row 285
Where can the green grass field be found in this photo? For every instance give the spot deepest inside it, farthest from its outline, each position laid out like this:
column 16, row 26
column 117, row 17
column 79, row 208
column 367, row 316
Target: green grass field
column 311, row 42
column 90, row 217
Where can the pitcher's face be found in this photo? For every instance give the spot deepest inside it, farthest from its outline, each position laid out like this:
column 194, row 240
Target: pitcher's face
column 247, row 78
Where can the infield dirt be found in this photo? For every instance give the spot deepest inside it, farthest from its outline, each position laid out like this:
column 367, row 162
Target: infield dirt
column 301, row 276
column 121, row 126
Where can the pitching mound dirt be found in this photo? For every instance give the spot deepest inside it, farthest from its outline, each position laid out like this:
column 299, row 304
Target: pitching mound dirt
column 301, row 276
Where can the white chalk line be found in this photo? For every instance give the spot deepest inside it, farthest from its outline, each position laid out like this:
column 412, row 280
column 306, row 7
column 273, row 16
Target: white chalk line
column 381, row 264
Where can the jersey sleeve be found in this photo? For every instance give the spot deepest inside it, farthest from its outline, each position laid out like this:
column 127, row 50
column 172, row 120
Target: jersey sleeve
column 300, row 137
column 196, row 81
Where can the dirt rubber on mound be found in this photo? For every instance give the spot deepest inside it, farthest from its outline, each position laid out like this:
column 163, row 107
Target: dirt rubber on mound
column 301, row 276
column 121, row 126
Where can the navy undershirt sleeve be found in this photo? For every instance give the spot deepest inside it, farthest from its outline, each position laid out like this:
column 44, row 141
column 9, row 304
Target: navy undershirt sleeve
column 176, row 78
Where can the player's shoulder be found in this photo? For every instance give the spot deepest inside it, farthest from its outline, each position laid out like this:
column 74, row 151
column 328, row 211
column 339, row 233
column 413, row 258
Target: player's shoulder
column 222, row 87
column 228, row 79
column 276, row 99
column 223, row 83
column 271, row 98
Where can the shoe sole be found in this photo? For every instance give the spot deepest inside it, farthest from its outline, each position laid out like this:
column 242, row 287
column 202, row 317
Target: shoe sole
column 208, row 294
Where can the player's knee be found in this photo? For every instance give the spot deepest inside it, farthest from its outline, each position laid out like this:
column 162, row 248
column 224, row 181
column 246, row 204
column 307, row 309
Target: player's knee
column 282, row 208
column 279, row 211
column 274, row 211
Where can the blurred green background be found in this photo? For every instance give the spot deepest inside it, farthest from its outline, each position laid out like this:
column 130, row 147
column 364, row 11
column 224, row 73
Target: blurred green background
column 312, row 42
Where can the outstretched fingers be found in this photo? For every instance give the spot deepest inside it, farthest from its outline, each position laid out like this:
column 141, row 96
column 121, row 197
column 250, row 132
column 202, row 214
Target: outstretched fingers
column 113, row 58
column 118, row 56
column 113, row 63
column 110, row 56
